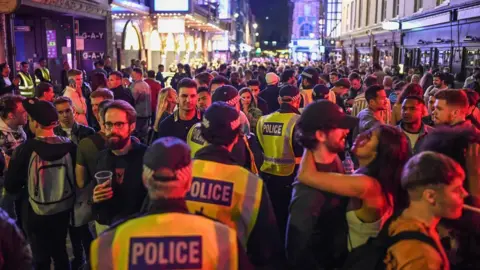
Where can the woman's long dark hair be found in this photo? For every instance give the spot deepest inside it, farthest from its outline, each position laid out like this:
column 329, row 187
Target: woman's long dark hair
column 99, row 80
column 411, row 89
column 392, row 154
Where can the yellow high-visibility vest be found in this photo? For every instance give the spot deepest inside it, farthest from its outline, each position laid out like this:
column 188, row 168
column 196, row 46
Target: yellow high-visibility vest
column 275, row 134
column 227, row 193
column 45, row 75
column 166, row 241
column 27, row 88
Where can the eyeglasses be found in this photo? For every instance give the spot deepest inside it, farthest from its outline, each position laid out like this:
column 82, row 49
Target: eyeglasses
column 117, row 125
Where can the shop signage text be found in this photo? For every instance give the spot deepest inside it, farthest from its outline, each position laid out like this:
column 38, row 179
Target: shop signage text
column 93, row 55
column 92, row 35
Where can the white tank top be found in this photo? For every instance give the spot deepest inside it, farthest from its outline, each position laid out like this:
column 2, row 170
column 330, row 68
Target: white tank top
column 359, row 231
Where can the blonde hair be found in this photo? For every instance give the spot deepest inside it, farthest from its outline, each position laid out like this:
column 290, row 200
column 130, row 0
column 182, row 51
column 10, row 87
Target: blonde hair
column 162, row 105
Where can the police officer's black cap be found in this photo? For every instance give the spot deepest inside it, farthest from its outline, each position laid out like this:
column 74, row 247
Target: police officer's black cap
column 220, row 123
column 167, row 152
column 319, row 91
column 324, row 115
column 311, row 73
column 226, row 93
column 289, row 91
column 41, row 111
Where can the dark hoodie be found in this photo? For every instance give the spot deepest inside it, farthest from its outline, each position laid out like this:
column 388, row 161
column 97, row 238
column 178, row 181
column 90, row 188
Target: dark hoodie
column 49, row 149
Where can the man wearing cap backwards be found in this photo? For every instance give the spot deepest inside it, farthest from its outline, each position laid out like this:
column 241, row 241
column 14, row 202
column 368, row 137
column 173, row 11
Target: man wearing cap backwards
column 318, row 217
column 310, row 78
column 281, row 154
column 241, row 151
column 223, row 190
column 270, row 93
column 45, row 228
column 168, row 237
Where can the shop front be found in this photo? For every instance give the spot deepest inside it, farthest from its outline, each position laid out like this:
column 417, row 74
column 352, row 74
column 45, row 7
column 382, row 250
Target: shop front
column 70, row 31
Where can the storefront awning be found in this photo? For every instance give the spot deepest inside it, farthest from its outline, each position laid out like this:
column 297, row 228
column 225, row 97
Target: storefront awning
column 128, row 6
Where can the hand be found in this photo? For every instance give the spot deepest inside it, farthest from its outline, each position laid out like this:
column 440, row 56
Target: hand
column 102, row 192
column 7, row 161
column 16, row 81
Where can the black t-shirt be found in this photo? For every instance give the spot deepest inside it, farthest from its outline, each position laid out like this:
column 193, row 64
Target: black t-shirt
column 175, row 127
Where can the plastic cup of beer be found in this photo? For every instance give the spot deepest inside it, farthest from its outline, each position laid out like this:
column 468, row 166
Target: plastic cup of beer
column 104, row 176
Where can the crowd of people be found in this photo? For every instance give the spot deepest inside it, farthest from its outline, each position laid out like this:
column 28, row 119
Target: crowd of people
column 248, row 166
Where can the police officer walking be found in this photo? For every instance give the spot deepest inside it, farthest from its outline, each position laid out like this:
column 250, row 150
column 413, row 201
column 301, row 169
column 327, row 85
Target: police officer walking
column 275, row 133
column 168, row 237
column 26, row 86
column 229, row 193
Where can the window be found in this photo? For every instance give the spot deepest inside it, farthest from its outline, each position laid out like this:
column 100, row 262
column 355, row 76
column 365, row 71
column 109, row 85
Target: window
column 334, row 18
column 376, row 11
column 367, row 15
column 439, row 2
column 384, row 10
column 305, row 30
column 354, row 13
column 351, row 16
column 396, row 8
column 359, row 13
column 417, row 5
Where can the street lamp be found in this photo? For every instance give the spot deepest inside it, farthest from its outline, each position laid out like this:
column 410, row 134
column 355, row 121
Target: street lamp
column 236, row 15
column 255, row 25
column 256, row 34
column 311, row 35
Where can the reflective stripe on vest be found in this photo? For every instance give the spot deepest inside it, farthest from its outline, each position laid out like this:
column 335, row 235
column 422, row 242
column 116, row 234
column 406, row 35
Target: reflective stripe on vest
column 45, row 75
column 195, row 139
column 227, row 193
column 275, row 134
column 166, row 241
column 27, row 88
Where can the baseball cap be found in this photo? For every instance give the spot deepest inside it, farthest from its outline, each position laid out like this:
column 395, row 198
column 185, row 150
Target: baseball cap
column 220, row 123
column 311, row 73
column 226, row 93
column 41, row 111
column 272, row 78
column 289, row 92
column 167, row 152
column 319, row 91
column 324, row 114
column 342, row 83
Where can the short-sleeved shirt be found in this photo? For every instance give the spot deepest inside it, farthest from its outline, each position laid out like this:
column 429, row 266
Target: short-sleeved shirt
column 87, row 151
column 176, row 127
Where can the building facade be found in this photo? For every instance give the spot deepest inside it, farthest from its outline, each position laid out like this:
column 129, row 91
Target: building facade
column 305, row 34
column 412, row 33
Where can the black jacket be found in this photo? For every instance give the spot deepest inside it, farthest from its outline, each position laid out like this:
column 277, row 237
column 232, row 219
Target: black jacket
column 123, row 93
column 79, row 132
column 4, row 89
column 128, row 191
column 15, row 252
column 263, row 247
column 262, row 105
column 270, row 95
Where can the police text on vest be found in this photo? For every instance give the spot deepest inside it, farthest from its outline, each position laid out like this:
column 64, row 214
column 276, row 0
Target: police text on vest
column 175, row 252
column 272, row 129
column 211, row 191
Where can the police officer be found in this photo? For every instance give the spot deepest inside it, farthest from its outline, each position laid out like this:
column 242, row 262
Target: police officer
column 282, row 154
column 227, row 192
column 168, row 237
column 42, row 74
column 26, row 86
column 242, row 151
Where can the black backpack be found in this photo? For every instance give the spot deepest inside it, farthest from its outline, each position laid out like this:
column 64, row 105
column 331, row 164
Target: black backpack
column 371, row 255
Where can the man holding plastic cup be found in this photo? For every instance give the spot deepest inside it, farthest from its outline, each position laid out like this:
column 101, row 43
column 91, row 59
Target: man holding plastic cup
column 119, row 192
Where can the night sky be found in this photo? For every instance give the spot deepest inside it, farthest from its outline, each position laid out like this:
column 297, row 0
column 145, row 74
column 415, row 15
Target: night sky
column 276, row 27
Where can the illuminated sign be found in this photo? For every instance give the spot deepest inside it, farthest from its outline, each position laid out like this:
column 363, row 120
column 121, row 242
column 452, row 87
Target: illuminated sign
column 171, row 25
column 51, row 44
column 224, row 9
column 390, row 25
column 172, row 5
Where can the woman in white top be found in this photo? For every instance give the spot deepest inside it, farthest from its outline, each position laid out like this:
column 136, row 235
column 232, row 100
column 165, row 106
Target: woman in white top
column 374, row 189
column 74, row 92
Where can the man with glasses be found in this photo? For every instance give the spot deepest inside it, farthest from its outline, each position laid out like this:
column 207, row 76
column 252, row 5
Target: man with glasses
column 123, row 194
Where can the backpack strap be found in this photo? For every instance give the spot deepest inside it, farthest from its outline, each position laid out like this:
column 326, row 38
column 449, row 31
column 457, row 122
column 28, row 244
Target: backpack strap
column 412, row 235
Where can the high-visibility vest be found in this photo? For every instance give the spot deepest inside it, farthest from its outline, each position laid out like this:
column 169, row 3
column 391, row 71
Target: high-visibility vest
column 45, row 75
column 195, row 139
column 197, row 142
column 275, row 134
column 27, row 88
column 227, row 193
column 166, row 241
